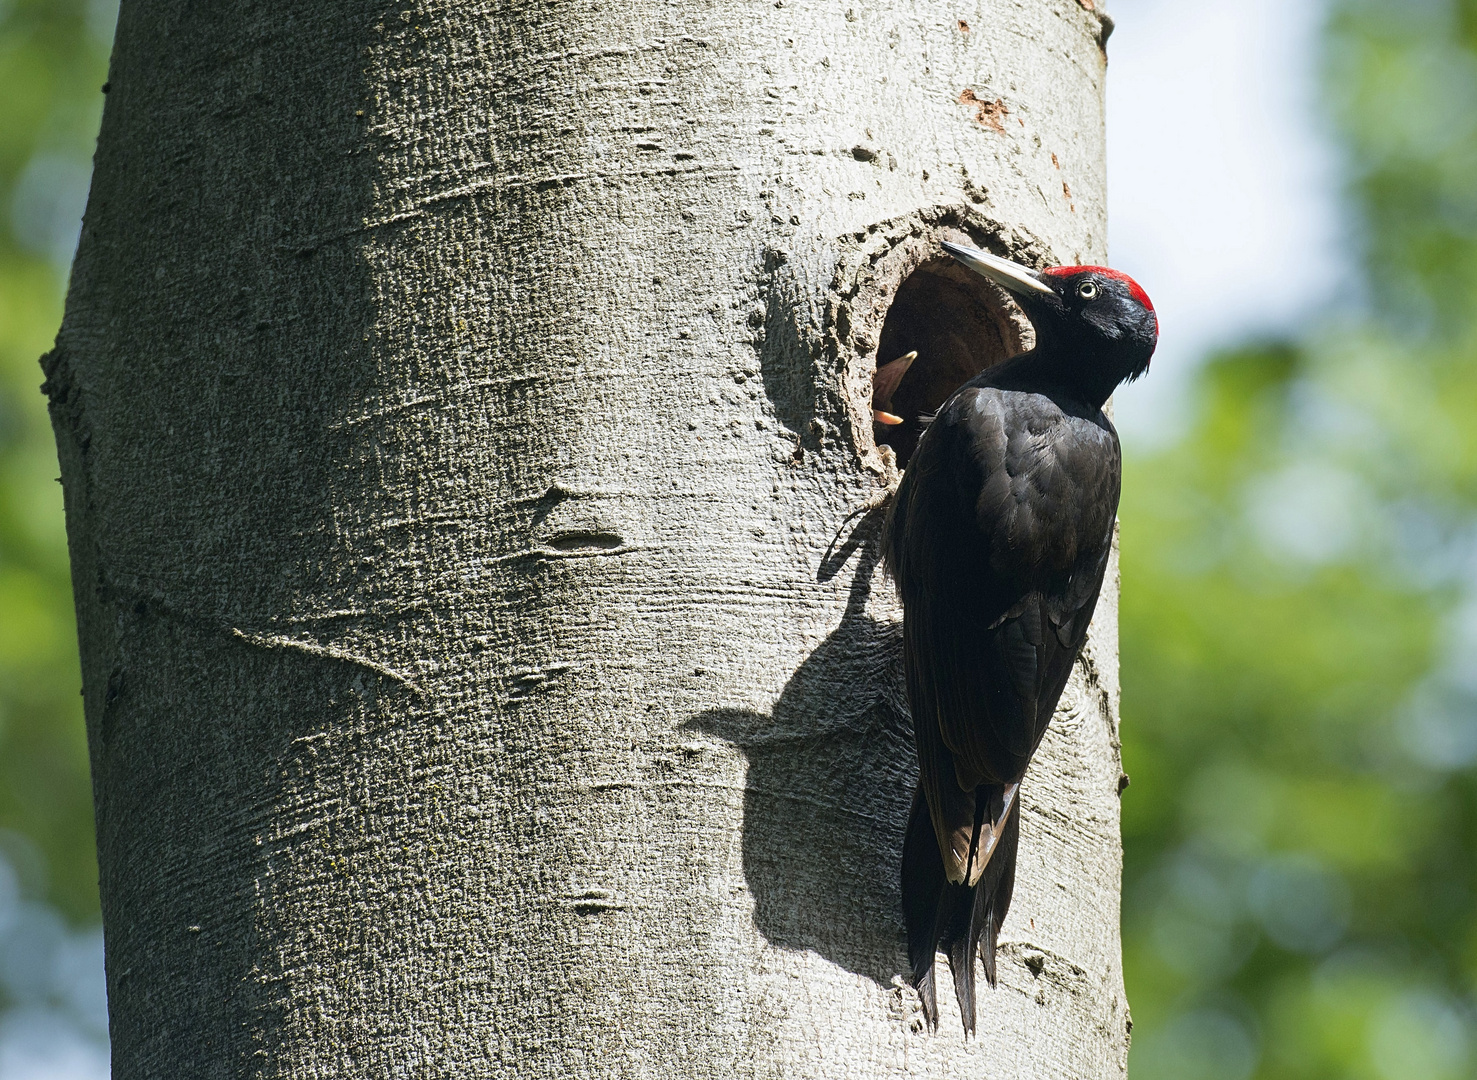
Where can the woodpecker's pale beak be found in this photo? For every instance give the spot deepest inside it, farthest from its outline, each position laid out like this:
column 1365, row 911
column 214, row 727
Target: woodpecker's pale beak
column 1003, row 272
column 884, row 382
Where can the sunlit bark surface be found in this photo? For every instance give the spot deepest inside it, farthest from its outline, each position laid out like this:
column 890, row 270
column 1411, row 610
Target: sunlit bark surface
column 463, row 410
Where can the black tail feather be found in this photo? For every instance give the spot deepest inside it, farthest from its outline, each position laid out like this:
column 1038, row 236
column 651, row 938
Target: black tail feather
column 992, row 894
column 961, row 956
column 984, row 920
column 923, row 882
column 959, row 920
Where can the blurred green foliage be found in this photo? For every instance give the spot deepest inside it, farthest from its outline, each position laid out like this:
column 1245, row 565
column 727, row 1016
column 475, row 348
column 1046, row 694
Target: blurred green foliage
column 1300, row 631
column 53, row 60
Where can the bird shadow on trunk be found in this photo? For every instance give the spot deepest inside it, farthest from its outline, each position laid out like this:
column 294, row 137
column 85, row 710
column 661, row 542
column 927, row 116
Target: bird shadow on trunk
column 830, row 781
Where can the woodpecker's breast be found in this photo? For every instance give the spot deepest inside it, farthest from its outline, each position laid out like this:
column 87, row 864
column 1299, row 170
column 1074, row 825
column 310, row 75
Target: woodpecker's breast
column 1041, row 478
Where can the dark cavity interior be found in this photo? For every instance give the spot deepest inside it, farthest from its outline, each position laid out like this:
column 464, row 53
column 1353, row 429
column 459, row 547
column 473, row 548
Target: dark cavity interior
column 959, row 324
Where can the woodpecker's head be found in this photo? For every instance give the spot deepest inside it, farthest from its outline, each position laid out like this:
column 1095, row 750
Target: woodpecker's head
column 1095, row 315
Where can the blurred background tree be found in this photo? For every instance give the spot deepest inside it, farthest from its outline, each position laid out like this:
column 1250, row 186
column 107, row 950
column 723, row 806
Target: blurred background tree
column 1300, row 629
column 50, row 71
column 1299, row 614
column 53, row 60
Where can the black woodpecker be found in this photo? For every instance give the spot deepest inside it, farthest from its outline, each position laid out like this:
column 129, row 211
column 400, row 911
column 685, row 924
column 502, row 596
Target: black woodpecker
column 997, row 540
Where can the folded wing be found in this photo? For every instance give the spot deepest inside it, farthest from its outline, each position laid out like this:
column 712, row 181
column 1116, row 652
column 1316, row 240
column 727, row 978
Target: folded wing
column 998, row 541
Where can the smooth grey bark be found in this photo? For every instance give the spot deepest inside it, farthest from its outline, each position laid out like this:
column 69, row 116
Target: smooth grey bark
column 463, row 415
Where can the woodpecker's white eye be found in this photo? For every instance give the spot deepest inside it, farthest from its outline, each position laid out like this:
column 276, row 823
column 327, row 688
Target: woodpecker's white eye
column 1087, row 290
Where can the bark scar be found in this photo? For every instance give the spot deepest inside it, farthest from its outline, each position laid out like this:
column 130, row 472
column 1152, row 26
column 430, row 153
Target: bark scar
column 592, row 902
column 326, row 652
column 525, row 681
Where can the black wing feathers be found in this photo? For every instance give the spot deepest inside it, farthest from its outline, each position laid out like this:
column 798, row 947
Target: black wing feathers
column 998, row 541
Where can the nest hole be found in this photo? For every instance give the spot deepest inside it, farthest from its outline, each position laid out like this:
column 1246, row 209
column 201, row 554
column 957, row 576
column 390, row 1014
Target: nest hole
column 959, row 324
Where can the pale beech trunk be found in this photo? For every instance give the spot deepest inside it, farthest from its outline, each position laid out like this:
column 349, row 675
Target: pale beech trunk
column 460, row 408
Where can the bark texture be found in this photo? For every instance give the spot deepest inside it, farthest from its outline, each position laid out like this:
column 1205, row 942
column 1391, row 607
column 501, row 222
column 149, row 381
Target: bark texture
column 463, row 412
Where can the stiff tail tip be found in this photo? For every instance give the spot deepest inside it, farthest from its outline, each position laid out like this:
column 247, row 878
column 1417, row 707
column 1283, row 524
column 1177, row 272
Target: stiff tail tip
column 962, row 921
